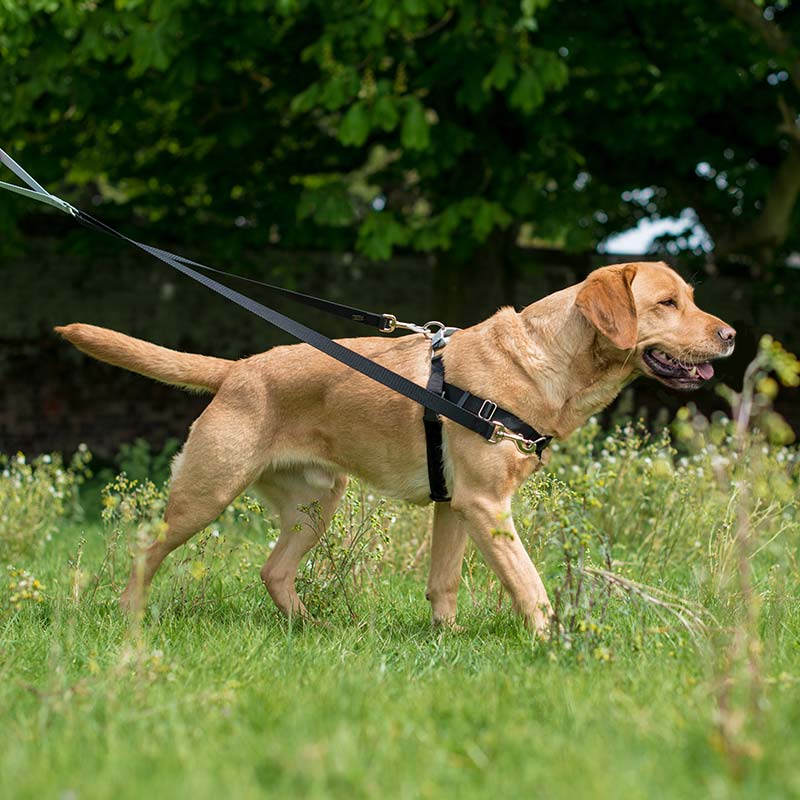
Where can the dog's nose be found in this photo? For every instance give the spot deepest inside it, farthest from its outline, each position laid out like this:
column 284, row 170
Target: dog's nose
column 726, row 333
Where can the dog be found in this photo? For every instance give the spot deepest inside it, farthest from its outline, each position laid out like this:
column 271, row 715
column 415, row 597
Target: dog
column 292, row 424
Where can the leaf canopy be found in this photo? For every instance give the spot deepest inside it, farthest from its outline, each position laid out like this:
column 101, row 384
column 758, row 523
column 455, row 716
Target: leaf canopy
column 430, row 125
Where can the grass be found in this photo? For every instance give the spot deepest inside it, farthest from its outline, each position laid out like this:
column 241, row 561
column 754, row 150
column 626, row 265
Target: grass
column 674, row 672
column 233, row 701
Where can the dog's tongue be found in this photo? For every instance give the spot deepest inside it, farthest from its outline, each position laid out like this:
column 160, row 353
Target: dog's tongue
column 705, row 371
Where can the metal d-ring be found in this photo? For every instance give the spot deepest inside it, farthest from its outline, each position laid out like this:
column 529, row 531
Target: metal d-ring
column 433, row 327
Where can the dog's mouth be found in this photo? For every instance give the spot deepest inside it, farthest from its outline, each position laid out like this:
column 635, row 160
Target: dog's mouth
column 674, row 372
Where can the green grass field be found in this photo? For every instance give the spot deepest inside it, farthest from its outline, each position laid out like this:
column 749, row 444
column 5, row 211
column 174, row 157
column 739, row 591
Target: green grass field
column 675, row 671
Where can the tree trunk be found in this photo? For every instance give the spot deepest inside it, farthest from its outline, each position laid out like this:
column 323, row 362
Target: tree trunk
column 764, row 235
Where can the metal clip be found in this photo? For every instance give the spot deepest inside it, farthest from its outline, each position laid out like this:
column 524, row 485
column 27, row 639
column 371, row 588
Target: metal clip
column 525, row 446
column 433, row 327
column 65, row 206
column 429, row 329
column 390, row 323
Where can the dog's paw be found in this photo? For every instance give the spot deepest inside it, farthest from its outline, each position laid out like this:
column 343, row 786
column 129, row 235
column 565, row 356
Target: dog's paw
column 448, row 625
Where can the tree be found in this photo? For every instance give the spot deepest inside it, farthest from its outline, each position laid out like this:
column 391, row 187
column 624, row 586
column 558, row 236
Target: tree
column 370, row 125
column 693, row 105
column 452, row 127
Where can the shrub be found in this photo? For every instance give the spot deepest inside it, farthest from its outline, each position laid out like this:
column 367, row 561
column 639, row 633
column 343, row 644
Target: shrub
column 35, row 496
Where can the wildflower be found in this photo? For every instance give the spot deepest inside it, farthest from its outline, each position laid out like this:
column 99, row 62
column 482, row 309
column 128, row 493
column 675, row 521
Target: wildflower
column 24, row 588
column 602, row 654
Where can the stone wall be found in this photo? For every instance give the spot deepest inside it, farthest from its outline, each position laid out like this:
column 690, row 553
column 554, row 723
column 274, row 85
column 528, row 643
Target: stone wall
column 53, row 398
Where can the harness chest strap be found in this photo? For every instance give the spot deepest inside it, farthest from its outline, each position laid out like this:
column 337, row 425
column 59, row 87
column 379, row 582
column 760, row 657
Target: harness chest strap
column 527, row 438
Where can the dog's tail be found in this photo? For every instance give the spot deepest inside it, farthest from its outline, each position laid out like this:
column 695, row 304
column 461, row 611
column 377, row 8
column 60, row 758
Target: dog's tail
column 187, row 370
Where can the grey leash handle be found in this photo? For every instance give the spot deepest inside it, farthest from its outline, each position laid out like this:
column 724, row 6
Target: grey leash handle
column 36, row 191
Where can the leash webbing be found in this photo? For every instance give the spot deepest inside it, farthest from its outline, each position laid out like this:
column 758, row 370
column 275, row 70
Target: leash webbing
column 38, row 192
column 350, row 358
column 351, row 313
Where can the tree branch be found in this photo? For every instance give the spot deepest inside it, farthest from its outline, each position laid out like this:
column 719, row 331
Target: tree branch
column 770, row 32
column 789, row 120
column 434, row 28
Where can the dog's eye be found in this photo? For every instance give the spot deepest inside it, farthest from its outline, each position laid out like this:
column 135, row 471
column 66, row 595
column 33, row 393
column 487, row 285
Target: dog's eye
column 671, row 303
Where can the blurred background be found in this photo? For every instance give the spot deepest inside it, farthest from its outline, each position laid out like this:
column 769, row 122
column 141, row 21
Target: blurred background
column 431, row 158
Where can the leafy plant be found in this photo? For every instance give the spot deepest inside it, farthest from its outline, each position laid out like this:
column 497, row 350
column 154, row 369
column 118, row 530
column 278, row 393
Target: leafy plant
column 348, row 557
column 446, row 126
column 35, row 497
column 139, row 462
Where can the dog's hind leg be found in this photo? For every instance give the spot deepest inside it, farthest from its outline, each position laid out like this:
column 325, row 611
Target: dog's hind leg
column 222, row 457
column 447, row 554
column 305, row 498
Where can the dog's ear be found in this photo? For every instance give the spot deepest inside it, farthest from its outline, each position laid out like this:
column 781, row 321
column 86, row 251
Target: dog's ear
column 606, row 300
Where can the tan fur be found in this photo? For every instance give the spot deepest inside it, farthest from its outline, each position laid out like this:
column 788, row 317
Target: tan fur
column 186, row 370
column 292, row 423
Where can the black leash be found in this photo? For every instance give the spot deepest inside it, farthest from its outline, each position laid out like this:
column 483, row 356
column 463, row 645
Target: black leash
column 478, row 421
column 386, row 323
column 383, row 322
column 305, row 334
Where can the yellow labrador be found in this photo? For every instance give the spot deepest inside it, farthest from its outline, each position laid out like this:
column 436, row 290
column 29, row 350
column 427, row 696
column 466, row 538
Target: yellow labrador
column 292, row 423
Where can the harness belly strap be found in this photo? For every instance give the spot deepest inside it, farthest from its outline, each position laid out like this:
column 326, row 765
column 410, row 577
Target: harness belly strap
column 485, row 409
column 433, row 435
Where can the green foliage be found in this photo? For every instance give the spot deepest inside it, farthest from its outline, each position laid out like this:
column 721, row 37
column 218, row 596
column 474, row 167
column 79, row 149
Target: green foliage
column 215, row 693
column 35, row 498
column 133, row 515
column 754, row 402
column 159, row 96
column 139, row 462
column 201, row 117
column 347, row 561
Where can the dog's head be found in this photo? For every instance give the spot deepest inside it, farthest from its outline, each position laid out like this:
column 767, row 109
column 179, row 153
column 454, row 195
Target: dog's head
column 646, row 310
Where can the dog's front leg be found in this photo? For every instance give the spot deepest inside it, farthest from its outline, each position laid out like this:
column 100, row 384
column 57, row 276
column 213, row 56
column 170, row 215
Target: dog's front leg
column 447, row 554
column 491, row 527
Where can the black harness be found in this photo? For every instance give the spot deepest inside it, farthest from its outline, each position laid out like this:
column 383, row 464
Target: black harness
column 484, row 417
column 484, row 409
